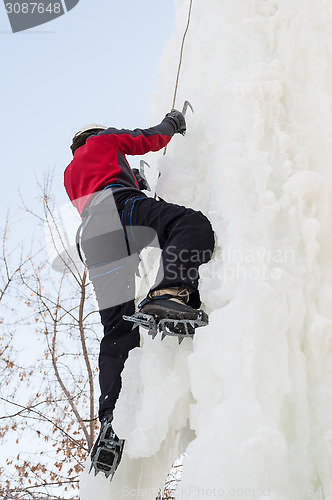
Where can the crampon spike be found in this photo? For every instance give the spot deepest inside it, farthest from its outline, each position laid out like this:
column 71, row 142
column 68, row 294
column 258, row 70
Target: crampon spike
column 153, row 333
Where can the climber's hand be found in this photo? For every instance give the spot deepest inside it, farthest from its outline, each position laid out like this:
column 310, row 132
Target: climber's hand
column 179, row 121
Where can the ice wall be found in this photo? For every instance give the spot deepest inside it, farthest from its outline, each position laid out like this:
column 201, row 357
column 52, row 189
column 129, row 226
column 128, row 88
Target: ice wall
column 251, row 397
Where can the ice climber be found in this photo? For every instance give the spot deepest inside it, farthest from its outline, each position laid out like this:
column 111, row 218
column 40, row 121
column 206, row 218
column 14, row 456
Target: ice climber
column 118, row 220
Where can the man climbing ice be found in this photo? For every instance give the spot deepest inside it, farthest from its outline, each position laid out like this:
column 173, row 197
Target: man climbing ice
column 119, row 220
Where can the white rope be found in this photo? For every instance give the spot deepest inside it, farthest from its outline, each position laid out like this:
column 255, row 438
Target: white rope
column 179, row 68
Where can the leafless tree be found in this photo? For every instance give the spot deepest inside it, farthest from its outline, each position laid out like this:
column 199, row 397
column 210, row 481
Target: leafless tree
column 48, row 394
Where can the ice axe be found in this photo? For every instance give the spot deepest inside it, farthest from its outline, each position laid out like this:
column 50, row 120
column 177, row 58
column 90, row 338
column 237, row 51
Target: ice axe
column 142, row 173
column 140, row 176
column 187, row 105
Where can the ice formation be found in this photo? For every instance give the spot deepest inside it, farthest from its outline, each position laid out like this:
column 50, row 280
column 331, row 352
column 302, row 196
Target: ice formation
column 250, row 399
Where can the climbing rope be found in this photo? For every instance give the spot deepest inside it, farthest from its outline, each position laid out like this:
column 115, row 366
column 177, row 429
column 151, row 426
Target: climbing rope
column 181, row 54
column 179, row 69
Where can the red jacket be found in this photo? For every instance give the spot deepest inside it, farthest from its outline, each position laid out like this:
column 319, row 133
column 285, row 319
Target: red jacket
column 101, row 160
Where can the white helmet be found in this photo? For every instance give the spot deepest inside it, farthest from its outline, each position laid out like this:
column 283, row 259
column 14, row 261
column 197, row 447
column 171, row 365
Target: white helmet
column 81, row 136
column 91, row 126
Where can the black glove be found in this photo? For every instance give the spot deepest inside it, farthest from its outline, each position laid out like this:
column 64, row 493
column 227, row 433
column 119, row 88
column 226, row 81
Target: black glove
column 179, row 121
column 142, row 183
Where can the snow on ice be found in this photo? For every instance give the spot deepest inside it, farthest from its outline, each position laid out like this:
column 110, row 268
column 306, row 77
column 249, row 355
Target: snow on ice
column 250, row 399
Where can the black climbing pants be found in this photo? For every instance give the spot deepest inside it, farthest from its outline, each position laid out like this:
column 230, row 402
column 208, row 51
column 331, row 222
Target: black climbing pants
column 186, row 239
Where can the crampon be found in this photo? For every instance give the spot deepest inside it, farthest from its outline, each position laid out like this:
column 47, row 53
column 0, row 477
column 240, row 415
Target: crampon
column 107, row 451
column 180, row 328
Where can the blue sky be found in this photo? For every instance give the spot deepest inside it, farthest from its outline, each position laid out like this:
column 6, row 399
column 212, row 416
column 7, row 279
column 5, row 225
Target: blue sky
column 97, row 63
